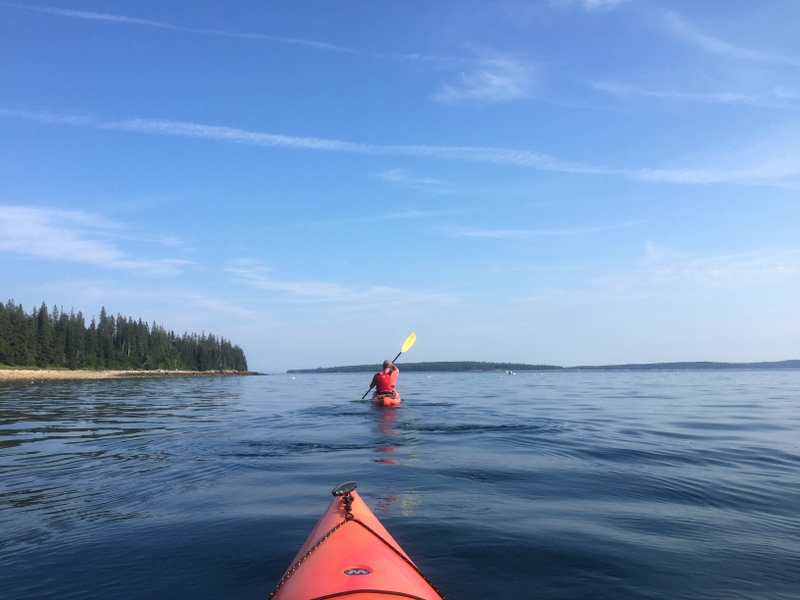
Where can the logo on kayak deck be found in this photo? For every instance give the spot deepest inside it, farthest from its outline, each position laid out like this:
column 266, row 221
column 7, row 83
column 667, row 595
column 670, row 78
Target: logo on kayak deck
column 357, row 571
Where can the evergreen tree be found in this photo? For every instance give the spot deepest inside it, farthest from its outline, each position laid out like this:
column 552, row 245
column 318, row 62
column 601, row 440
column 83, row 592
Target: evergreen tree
column 45, row 350
column 58, row 339
column 75, row 349
column 6, row 352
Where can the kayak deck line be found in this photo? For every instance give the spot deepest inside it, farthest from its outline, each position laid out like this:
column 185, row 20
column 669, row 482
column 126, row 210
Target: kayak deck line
column 345, row 492
column 367, row 591
column 387, row 593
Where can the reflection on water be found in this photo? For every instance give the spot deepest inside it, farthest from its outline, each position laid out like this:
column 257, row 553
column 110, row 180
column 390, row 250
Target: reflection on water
column 386, row 419
column 80, row 451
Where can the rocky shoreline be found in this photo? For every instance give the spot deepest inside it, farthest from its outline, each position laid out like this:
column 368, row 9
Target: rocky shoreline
column 35, row 375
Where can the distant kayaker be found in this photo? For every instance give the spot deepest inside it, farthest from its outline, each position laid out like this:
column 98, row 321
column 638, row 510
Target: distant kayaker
column 384, row 380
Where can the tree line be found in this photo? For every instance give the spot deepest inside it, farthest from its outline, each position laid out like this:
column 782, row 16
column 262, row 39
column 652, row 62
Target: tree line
column 56, row 339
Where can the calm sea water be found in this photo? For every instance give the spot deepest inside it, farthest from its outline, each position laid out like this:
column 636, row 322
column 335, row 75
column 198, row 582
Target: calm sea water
column 554, row 485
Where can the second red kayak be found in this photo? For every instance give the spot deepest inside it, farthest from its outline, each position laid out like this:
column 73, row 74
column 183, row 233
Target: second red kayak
column 386, row 398
column 349, row 554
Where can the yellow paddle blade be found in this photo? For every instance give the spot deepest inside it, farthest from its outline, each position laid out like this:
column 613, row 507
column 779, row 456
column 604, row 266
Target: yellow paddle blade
column 409, row 342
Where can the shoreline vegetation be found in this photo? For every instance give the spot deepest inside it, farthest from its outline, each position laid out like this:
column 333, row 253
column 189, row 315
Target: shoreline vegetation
column 483, row 367
column 56, row 340
column 38, row 375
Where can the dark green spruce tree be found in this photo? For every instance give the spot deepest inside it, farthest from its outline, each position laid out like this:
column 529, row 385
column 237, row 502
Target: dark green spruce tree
column 60, row 339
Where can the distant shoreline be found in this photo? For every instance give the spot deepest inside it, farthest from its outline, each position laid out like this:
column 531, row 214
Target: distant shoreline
column 35, row 375
column 484, row 367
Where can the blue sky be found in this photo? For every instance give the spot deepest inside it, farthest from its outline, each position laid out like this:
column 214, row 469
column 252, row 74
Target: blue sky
column 559, row 181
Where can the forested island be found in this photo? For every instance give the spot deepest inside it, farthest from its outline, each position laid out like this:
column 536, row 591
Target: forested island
column 477, row 367
column 56, row 339
column 694, row 366
column 451, row 366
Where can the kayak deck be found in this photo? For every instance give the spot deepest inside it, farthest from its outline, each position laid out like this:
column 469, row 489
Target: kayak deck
column 349, row 554
column 386, row 398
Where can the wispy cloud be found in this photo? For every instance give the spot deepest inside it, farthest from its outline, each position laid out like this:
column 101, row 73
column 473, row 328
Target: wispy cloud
column 492, row 80
column 599, row 4
column 765, row 266
column 71, row 236
column 497, row 234
column 667, row 274
column 772, row 159
column 438, row 61
column 254, row 274
column 125, row 20
column 380, row 217
column 778, row 97
column 774, row 164
column 240, row 136
column 428, row 184
column 590, row 5
column 219, row 306
column 528, row 233
column 677, row 25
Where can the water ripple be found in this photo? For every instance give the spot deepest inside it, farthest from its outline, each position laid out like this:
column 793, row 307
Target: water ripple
column 594, row 485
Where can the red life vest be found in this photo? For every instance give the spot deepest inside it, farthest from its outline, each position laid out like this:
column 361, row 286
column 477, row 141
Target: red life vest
column 383, row 382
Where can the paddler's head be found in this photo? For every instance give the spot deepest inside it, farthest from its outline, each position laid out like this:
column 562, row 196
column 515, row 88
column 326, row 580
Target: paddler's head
column 387, row 364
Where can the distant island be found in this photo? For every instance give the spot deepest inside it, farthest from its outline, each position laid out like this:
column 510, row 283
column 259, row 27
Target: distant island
column 435, row 366
column 55, row 339
column 479, row 367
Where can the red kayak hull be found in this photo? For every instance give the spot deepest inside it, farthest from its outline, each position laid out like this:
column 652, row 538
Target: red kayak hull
column 351, row 555
column 386, row 399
